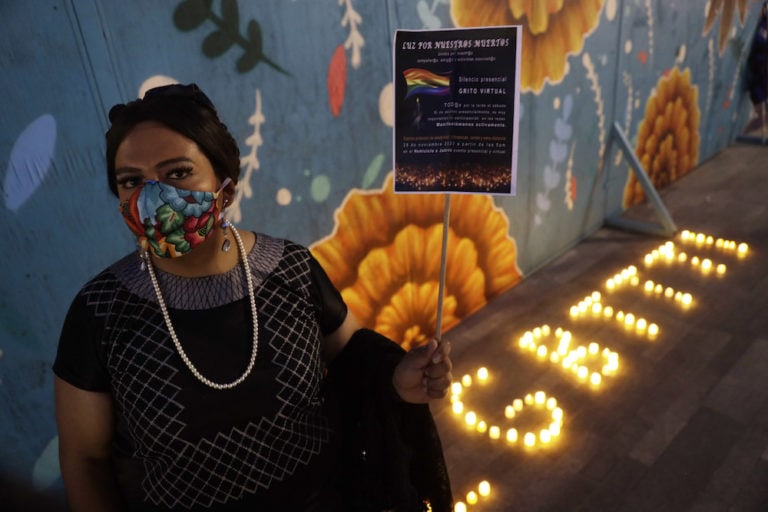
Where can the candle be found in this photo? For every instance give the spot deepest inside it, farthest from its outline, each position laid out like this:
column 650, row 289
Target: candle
column 529, row 439
column 484, row 488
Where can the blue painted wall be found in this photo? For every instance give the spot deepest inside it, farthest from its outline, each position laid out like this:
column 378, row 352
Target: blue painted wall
column 312, row 115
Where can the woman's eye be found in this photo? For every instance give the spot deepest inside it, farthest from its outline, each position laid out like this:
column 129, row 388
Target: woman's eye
column 180, row 173
column 128, row 182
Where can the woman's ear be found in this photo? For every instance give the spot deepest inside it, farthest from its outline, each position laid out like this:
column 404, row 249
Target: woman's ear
column 228, row 192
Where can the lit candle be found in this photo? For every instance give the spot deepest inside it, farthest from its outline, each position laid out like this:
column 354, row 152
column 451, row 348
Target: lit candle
column 641, row 324
column 481, row 426
column 557, row 415
column 472, row 498
column 494, row 432
column 551, row 403
column 539, row 397
column 648, row 286
column 574, row 311
column 583, row 372
column 546, row 330
column 482, row 374
column 554, row 428
column 512, row 435
column 542, row 351
column 470, row 418
column 460, row 506
column 457, row 407
column 509, row 412
column 596, row 296
column 653, row 330
column 687, row 299
column 484, row 488
column 669, row 292
column 743, row 249
column 545, row 436
column 595, row 379
column 529, row 439
column 720, row 269
column 607, row 311
column 456, row 388
column 517, row 404
column 593, row 348
column 629, row 319
column 528, row 399
column 466, row 381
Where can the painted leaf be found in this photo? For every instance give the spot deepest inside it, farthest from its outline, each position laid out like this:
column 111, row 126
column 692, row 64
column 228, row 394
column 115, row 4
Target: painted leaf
column 216, row 43
column 30, row 161
column 247, row 61
column 229, row 15
column 190, row 14
column 372, row 173
column 254, row 37
column 337, row 80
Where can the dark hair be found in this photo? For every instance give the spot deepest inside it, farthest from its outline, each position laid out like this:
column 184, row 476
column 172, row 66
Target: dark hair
column 184, row 109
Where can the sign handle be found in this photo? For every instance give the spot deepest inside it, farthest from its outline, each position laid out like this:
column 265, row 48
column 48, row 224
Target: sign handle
column 443, row 258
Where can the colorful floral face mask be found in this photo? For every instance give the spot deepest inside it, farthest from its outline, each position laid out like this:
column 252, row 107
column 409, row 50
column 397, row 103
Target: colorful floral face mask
column 170, row 221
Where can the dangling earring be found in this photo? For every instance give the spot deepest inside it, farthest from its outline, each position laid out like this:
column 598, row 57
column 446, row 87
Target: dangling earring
column 143, row 256
column 226, row 244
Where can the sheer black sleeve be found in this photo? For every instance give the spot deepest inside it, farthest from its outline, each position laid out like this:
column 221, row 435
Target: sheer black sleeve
column 329, row 305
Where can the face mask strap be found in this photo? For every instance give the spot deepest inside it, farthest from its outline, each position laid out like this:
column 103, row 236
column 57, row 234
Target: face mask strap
column 223, row 184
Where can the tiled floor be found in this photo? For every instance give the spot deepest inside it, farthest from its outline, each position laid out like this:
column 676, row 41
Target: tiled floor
column 683, row 424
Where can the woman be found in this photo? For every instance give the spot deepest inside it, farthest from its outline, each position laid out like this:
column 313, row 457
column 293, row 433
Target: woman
column 220, row 370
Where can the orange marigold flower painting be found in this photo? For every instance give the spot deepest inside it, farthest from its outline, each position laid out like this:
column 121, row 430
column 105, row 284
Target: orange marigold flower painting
column 552, row 30
column 384, row 255
column 668, row 137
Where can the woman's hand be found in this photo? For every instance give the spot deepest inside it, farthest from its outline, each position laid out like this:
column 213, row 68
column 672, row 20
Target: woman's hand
column 424, row 373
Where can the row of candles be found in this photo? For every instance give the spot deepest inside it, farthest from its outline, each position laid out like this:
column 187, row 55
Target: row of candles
column 518, row 406
column 589, row 363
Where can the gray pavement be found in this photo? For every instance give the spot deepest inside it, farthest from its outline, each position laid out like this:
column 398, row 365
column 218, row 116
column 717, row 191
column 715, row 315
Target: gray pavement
column 682, row 425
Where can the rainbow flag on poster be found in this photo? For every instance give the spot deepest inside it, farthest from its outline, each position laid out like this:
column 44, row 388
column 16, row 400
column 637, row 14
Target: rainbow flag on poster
column 423, row 81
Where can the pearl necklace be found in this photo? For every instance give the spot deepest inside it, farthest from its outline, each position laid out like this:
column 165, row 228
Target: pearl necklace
column 172, row 331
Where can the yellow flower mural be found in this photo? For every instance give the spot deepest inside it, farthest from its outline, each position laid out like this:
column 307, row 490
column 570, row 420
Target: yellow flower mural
column 552, row 30
column 668, row 137
column 728, row 8
column 384, row 255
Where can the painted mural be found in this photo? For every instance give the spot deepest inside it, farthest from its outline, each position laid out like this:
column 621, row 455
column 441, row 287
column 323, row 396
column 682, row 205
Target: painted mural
column 306, row 88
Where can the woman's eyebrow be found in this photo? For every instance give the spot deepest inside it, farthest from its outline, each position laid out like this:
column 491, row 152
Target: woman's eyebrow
column 164, row 163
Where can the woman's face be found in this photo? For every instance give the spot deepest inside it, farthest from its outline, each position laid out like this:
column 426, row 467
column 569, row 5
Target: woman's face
column 151, row 151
